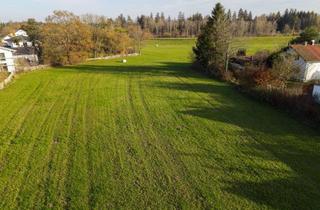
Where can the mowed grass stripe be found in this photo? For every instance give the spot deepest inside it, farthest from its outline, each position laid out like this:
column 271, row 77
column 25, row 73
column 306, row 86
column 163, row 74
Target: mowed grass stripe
column 173, row 123
column 77, row 187
column 31, row 192
column 54, row 188
column 154, row 183
column 18, row 118
column 20, row 147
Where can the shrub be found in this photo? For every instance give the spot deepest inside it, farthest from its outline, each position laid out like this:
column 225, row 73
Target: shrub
column 242, row 52
column 260, row 59
column 291, row 101
column 309, row 34
column 246, row 78
column 266, row 79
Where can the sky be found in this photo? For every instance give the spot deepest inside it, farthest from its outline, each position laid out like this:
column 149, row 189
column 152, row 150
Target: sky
column 17, row 10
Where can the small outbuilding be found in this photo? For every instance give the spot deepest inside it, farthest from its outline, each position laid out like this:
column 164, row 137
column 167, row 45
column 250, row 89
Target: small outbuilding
column 308, row 61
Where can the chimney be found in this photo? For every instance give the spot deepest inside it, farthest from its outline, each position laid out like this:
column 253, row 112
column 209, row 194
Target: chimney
column 313, row 42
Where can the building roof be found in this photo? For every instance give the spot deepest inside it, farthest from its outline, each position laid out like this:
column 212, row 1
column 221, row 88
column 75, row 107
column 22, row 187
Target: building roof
column 308, row 52
column 7, row 49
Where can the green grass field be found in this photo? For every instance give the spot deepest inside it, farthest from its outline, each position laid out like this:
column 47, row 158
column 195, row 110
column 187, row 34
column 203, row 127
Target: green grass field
column 149, row 134
column 255, row 44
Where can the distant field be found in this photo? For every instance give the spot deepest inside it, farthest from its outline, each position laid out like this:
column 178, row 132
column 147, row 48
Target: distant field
column 255, row 44
column 149, row 134
column 252, row 44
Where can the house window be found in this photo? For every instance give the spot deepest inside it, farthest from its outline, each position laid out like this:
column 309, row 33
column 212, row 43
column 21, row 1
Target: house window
column 2, row 57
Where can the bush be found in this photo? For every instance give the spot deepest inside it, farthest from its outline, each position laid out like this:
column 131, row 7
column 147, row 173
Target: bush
column 260, row 59
column 291, row 101
column 242, row 52
column 246, row 78
column 309, row 34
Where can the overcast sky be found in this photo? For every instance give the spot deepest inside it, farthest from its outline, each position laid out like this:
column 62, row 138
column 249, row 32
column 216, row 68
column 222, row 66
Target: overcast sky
column 39, row 9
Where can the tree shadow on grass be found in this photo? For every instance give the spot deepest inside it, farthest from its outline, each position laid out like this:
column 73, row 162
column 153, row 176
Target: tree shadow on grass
column 273, row 136
column 287, row 193
column 158, row 69
column 298, row 188
column 220, row 102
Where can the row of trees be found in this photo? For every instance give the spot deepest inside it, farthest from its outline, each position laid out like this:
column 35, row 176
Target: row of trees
column 243, row 23
column 162, row 26
column 65, row 38
column 290, row 22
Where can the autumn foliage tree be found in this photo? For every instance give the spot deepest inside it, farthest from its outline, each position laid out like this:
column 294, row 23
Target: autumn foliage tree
column 65, row 39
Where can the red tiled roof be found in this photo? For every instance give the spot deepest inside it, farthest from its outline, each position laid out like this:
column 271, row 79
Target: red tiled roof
column 309, row 52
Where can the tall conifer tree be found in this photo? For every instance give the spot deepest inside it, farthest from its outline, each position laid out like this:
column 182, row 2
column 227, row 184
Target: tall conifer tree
column 213, row 43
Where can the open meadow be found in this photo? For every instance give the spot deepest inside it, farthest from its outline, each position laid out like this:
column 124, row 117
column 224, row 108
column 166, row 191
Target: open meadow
column 149, row 134
column 255, row 44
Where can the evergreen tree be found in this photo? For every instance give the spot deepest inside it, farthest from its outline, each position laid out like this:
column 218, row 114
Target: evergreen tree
column 311, row 33
column 213, row 43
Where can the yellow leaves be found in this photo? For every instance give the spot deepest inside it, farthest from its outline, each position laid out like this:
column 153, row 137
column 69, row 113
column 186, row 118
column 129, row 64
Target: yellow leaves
column 66, row 40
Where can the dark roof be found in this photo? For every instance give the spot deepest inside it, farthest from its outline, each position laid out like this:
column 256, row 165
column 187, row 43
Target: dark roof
column 25, row 51
column 308, row 52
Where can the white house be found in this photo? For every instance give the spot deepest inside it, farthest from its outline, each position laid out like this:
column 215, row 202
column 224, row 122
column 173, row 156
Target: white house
column 21, row 33
column 308, row 61
column 7, row 59
column 19, row 39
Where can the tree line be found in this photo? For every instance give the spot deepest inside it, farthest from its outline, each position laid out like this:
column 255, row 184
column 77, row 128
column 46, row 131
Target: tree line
column 66, row 38
column 243, row 23
column 290, row 22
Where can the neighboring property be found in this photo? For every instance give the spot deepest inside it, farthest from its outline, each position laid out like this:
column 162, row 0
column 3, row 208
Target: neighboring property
column 7, row 59
column 308, row 61
column 22, row 53
column 18, row 39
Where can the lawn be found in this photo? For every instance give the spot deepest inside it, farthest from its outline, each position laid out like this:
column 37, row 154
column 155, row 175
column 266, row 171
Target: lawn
column 149, row 134
column 255, row 44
